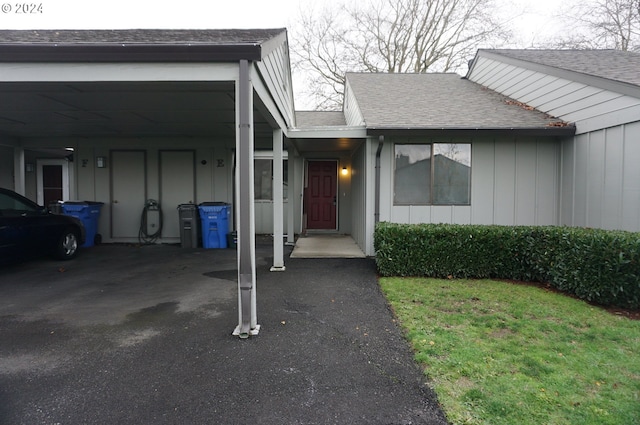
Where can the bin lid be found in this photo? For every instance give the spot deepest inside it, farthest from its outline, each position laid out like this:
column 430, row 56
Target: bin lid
column 82, row 203
column 213, row 204
column 187, row 206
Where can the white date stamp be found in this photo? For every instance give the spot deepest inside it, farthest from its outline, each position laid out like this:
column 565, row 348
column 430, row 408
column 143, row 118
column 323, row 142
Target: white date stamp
column 22, row 8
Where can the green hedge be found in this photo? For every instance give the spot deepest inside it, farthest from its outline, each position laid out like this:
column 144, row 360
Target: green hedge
column 596, row 265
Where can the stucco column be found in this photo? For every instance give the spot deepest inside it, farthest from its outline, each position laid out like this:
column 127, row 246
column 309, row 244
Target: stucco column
column 278, row 203
column 18, row 171
column 245, row 212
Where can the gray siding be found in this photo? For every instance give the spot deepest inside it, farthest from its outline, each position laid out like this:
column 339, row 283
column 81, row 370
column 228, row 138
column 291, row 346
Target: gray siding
column 213, row 180
column 590, row 108
column 359, row 215
column 513, row 182
column 276, row 73
column 352, row 112
column 601, row 179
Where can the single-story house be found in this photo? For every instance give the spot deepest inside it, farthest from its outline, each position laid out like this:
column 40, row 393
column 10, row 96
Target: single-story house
column 188, row 116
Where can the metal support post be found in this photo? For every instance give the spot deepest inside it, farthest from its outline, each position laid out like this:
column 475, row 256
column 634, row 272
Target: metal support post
column 245, row 213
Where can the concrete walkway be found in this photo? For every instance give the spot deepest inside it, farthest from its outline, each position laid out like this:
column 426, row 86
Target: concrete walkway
column 326, row 246
column 142, row 335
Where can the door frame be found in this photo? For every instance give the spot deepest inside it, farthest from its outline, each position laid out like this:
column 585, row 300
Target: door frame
column 39, row 176
column 305, row 197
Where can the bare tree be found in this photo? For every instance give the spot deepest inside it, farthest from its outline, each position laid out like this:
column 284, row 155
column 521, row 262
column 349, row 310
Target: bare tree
column 388, row 36
column 610, row 24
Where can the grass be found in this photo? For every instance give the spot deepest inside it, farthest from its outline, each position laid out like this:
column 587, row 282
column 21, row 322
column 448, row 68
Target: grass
column 502, row 353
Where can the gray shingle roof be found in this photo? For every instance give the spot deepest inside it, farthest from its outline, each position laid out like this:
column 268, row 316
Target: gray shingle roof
column 438, row 101
column 140, row 45
column 139, row 36
column 610, row 64
column 320, row 119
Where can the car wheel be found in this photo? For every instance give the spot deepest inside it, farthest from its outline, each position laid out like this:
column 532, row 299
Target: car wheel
column 67, row 246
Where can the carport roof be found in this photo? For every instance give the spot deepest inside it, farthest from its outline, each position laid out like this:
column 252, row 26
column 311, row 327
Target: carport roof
column 138, row 45
column 442, row 103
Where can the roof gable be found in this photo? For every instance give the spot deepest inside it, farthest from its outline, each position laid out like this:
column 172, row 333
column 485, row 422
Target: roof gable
column 615, row 65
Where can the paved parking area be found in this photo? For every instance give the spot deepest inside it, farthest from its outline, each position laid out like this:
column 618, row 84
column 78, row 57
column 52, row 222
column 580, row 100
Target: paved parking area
column 133, row 335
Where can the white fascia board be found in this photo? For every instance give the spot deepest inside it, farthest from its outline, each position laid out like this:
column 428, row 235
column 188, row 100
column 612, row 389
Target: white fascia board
column 81, row 72
column 328, row 133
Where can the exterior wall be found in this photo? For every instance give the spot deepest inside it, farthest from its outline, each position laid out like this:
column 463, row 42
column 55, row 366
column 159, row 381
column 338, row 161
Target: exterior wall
column 212, row 176
column 360, row 215
column 513, row 182
column 601, row 179
column 352, row 113
column 599, row 185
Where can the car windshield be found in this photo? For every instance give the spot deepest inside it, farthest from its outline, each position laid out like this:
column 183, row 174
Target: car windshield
column 12, row 207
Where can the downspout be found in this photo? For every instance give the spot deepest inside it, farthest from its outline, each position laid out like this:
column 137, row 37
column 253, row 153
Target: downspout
column 377, row 189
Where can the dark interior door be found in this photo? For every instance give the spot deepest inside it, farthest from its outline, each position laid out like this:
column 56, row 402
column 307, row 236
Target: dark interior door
column 321, row 195
column 51, row 184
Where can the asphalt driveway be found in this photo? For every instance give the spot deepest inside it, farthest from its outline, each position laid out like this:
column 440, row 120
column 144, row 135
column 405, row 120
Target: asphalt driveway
column 142, row 335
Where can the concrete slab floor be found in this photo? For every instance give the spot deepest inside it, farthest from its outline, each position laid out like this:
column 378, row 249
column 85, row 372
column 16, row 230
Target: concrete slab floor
column 326, row 246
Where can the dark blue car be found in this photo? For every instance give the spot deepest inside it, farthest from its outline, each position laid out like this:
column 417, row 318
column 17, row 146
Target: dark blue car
column 28, row 230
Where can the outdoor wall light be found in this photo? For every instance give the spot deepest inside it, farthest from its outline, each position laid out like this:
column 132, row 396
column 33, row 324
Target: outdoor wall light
column 101, row 161
column 345, row 171
column 30, row 168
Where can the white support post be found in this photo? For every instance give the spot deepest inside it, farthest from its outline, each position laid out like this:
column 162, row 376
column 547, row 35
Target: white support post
column 245, row 212
column 291, row 240
column 19, row 177
column 278, row 203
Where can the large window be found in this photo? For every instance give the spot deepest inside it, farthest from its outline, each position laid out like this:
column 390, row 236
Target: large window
column 432, row 174
column 263, row 179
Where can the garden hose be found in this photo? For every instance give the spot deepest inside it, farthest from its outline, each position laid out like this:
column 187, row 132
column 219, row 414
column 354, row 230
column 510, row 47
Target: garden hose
column 143, row 236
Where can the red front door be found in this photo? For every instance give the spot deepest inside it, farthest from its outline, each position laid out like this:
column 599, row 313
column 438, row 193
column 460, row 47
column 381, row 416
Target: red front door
column 321, row 195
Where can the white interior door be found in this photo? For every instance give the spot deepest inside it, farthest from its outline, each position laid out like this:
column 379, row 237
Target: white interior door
column 128, row 192
column 177, row 186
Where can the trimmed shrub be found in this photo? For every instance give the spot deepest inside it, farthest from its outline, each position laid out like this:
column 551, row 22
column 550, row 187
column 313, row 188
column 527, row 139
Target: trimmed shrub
column 596, row 265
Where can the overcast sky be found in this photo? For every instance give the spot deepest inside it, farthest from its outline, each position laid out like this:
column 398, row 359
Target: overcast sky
column 537, row 23
column 192, row 14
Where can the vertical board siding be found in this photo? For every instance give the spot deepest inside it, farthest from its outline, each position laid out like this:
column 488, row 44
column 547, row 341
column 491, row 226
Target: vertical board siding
column 613, row 170
column 513, row 182
column 547, row 183
column 595, row 178
column 358, row 197
column 631, row 177
column 581, row 176
column 526, row 184
column 483, row 161
column 601, row 179
column 505, row 177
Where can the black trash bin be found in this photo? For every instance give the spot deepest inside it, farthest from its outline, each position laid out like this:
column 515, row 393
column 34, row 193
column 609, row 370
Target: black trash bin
column 189, row 225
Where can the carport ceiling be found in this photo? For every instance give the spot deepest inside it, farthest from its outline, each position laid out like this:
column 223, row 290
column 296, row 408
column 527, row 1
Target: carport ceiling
column 122, row 109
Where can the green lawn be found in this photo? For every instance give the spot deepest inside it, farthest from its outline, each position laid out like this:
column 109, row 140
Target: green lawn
column 502, row 353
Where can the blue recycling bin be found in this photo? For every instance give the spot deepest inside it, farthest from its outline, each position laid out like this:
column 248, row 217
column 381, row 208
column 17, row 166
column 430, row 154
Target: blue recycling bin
column 88, row 212
column 214, row 219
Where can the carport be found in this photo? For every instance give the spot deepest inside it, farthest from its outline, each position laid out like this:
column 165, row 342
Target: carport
column 123, row 105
